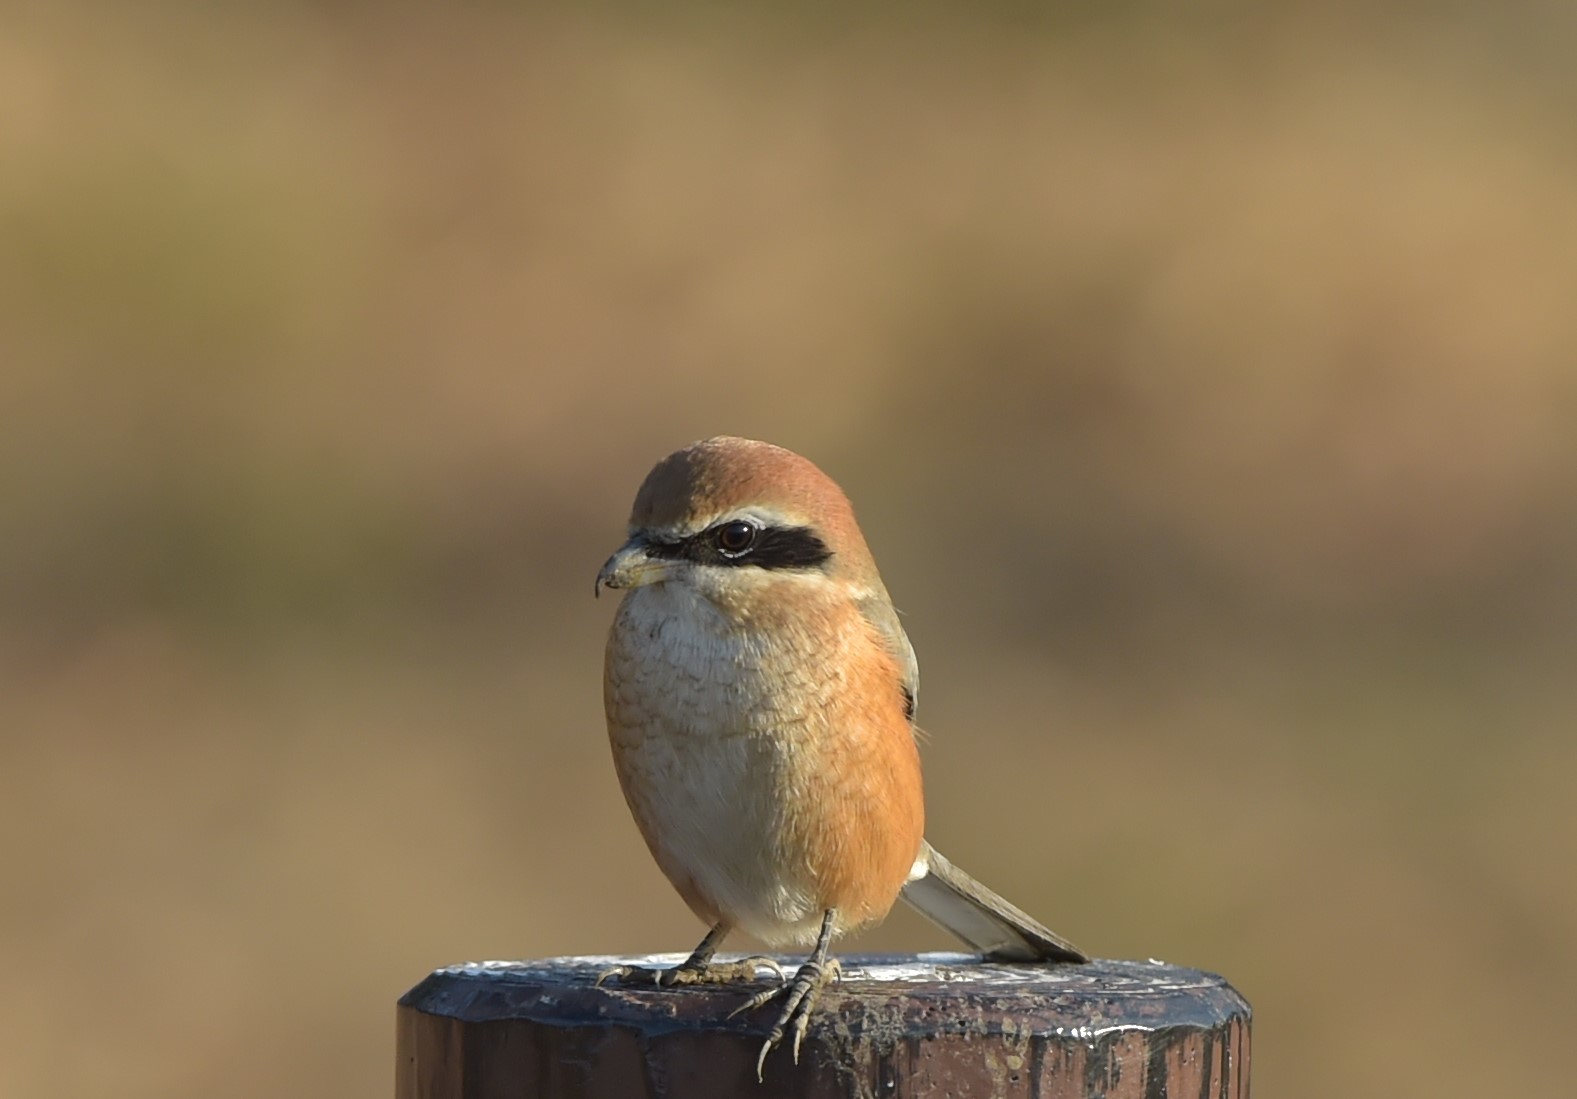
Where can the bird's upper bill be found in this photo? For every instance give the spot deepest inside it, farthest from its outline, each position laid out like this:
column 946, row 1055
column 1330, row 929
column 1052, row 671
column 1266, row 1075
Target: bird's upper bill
column 632, row 566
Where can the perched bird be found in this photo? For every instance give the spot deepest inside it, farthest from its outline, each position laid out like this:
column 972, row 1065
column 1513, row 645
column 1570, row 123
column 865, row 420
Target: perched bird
column 760, row 696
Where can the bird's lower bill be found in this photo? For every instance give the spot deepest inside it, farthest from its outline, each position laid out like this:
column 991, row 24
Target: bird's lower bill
column 630, row 567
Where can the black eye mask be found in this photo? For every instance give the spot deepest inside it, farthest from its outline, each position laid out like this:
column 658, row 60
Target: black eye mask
column 771, row 548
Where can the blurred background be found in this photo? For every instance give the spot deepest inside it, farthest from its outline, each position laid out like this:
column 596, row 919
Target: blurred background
column 1206, row 382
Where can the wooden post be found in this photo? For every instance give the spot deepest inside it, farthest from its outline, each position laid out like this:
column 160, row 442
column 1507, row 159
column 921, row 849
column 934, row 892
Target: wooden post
column 897, row 1025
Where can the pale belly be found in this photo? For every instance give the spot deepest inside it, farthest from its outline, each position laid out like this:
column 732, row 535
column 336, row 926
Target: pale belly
column 714, row 826
column 717, row 735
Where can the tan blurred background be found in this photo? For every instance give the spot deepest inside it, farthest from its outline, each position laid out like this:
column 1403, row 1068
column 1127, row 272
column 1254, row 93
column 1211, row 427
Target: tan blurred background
column 1207, row 385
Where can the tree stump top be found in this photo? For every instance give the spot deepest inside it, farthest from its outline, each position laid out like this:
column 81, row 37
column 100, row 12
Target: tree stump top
column 896, row 1025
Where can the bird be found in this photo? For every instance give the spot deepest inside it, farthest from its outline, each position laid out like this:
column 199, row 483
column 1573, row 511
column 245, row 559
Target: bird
column 760, row 695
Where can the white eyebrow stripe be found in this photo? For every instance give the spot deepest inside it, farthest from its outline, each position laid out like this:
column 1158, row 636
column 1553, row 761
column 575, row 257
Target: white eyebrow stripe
column 760, row 516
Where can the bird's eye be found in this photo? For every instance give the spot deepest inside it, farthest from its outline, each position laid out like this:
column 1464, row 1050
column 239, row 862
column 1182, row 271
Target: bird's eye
column 736, row 537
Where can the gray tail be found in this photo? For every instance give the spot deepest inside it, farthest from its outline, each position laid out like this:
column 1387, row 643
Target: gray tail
column 954, row 901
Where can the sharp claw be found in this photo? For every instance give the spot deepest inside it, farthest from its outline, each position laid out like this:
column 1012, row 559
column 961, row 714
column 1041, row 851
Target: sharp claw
column 767, row 1047
column 761, row 961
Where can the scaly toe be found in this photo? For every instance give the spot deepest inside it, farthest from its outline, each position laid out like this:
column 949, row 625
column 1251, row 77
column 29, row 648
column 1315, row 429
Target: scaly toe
column 719, row 973
column 799, row 998
column 760, row 999
column 797, row 1028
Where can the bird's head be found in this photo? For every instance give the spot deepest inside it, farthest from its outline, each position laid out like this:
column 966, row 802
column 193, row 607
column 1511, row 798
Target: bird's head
column 737, row 519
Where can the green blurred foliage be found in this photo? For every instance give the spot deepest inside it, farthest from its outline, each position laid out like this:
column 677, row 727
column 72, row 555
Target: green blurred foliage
column 1204, row 379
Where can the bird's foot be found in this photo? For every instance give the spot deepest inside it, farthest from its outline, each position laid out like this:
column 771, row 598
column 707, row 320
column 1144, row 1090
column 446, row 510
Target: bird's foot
column 799, row 997
column 692, row 972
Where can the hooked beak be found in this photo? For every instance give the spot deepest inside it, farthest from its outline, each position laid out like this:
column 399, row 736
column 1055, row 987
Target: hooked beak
column 631, row 567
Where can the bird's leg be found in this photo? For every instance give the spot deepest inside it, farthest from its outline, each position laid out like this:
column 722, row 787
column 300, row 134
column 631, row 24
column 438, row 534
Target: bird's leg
column 698, row 968
column 799, row 996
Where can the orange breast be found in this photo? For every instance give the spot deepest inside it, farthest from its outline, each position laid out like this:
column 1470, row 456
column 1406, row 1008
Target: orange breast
column 860, row 818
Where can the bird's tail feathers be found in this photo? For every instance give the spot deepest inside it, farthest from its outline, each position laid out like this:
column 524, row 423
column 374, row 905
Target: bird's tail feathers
column 1000, row 930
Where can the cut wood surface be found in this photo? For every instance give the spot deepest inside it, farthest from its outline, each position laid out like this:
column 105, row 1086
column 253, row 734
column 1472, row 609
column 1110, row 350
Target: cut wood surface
column 930, row 1025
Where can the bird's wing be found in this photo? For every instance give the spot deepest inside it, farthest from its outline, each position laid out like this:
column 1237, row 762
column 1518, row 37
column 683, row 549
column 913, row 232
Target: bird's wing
column 881, row 614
